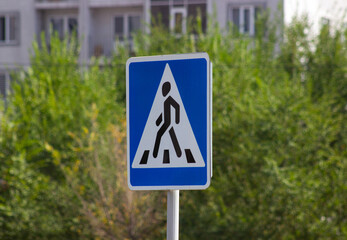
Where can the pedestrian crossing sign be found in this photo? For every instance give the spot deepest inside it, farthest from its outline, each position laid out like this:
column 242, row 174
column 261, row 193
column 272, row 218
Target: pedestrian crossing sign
column 169, row 122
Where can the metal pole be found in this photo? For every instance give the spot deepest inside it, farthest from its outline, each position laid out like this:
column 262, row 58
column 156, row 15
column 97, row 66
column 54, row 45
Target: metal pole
column 173, row 198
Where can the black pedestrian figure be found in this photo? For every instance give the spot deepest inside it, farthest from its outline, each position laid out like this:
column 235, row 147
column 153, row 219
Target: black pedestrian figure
column 169, row 101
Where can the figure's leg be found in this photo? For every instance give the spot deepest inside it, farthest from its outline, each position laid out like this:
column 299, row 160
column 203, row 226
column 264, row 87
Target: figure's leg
column 160, row 133
column 175, row 142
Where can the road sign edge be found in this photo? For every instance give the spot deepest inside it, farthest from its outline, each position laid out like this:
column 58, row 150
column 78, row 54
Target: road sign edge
column 127, row 118
column 169, row 57
column 199, row 55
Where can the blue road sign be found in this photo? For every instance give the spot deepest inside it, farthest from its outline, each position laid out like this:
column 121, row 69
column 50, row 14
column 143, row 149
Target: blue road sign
column 169, row 122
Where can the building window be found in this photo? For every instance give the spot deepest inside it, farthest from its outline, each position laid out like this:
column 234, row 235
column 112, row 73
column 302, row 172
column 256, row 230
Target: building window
column 246, row 21
column 243, row 18
column 9, row 28
column 72, row 25
column 119, row 28
column 63, row 25
column 178, row 16
column 4, row 85
column 126, row 25
column 324, row 22
column 134, row 25
column 57, row 25
column 235, row 18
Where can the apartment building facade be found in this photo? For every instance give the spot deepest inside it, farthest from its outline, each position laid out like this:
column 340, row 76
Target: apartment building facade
column 102, row 24
column 16, row 20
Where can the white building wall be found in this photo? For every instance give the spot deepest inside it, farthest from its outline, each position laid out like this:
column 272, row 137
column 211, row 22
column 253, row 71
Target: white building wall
column 95, row 21
column 219, row 8
column 18, row 54
column 333, row 10
column 103, row 29
column 53, row 13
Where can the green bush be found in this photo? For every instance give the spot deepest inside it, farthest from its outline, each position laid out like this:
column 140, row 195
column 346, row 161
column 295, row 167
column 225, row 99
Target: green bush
column 50, row 100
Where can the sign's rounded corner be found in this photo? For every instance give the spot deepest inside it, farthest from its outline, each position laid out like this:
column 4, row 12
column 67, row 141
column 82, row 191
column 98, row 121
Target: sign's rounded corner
column 131, row 187
column 208, row 183
column 129, row 61
column 206, row 57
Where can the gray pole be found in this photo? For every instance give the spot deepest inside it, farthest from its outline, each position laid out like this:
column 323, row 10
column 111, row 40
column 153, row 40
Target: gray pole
column 84, row 31
column 173, row 198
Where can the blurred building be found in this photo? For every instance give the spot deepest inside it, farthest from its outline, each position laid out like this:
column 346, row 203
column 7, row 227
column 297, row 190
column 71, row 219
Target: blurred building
column 102, row 24
column 332, row 12
column 17, row 32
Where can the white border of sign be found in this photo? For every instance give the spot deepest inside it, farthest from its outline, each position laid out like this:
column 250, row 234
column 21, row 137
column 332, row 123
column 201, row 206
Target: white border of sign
column 209, row 118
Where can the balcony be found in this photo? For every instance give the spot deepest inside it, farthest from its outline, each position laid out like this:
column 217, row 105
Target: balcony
column 56, row 4
column 115, row 3
column 55, row 1
column 106, row 46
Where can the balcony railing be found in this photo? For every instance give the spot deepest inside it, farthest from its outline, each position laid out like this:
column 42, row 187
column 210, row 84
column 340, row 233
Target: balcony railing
column 56, row 4
column 107, row 46
column 55, row 1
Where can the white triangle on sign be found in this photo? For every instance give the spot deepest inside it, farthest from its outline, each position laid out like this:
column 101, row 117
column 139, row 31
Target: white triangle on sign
column 168, row 156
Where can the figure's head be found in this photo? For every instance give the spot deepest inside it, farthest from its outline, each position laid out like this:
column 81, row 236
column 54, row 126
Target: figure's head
column 166, row 88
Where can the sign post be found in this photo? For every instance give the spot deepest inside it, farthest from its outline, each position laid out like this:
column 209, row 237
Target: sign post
column 173, row 198
column 169, row 126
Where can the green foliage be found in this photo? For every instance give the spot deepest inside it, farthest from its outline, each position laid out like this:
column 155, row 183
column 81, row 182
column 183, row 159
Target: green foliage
column 279, row 141
column 50, row 100
column 98, row 179
column 279, row 151
column 32, row 206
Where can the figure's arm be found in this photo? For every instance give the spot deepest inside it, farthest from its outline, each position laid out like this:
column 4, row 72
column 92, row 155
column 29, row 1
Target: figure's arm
column 177, row 108
column 159, row 119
